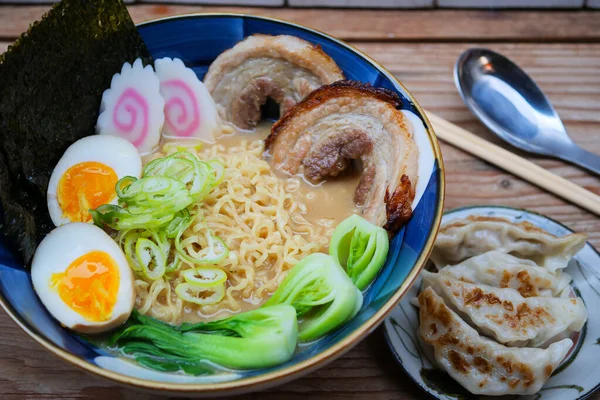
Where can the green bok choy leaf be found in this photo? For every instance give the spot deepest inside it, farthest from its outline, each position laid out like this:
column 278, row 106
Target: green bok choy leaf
column 255, row 339
column 361, row 248
column 322, row 294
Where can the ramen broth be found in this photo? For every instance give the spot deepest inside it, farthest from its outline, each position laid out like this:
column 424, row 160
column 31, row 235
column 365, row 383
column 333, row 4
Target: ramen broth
column 328, row 203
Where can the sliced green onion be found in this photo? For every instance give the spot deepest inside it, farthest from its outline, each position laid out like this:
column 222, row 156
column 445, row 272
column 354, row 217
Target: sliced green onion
column 171, row 166
column 178, row 146
column 205, row 277
column 169, row 185
column 219, row 171
column 151, row 203
column 186, row 167
column 200, row 295
column 160, row 238
column 175, row 264
column 123, row 185
column 153, row 212
column 161, row 194
column 179, row 223
column 151, row 259
column 215, row 252
column 129, row 245
column 203, row 182
column 128, row 241
column 122, row 219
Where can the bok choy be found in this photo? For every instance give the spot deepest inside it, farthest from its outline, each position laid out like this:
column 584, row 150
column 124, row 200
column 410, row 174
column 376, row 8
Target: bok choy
column 255, row 339
column 361, row 248
column 322, row 294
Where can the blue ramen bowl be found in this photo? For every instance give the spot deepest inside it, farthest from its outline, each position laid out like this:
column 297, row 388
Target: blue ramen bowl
column 198, row 40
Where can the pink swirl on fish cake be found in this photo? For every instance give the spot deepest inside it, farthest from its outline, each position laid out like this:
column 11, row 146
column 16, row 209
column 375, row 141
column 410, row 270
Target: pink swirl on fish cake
column 180, row 123
column 134, row 104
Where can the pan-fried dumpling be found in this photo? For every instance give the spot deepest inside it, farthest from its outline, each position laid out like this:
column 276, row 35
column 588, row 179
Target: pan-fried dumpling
column 465, row 238
column 506, row 315
column 481, row 365
column 347, row 121
column 284, row 68
column 505, row 271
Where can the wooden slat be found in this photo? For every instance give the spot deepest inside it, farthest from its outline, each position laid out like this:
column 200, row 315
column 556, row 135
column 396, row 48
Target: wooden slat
column 382, row 25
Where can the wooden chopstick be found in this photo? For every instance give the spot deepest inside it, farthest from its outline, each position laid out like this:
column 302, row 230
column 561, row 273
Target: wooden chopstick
column 514, row 164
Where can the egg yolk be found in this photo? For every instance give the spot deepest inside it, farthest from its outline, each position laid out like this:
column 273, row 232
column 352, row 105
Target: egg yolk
column 86, row 185
column 89, row 285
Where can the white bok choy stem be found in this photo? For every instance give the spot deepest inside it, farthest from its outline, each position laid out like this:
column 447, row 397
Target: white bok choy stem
column 322, row 294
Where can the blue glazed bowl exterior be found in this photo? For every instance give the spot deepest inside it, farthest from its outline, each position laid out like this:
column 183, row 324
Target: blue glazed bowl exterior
column 198, row 40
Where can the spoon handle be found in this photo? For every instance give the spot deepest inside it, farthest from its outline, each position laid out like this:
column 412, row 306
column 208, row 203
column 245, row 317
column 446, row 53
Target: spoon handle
column 583, row 158
column 511, row 162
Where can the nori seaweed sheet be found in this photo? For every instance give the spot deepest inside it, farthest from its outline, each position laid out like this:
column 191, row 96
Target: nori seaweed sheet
column 51, row 85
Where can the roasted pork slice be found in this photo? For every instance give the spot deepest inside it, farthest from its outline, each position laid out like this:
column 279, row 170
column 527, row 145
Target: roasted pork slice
column 345, row 121
column 283, row 68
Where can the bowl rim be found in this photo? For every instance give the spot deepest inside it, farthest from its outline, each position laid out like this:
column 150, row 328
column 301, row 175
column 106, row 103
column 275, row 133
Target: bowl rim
column 273, row 378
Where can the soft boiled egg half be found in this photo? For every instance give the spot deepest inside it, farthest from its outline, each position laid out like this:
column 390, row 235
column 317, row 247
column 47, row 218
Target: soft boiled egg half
column 86, row 175
column 83, row 278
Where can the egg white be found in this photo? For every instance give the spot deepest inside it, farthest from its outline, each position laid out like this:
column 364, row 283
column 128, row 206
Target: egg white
column 57, row 251
column 115, row 152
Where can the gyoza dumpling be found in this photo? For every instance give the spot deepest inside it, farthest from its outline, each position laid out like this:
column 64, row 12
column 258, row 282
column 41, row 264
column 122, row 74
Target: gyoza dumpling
column 505, row 271
column 481, row 365
column 465, row 238
column 506, row 315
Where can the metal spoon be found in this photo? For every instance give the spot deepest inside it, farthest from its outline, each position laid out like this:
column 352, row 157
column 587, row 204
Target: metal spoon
column 512, row 106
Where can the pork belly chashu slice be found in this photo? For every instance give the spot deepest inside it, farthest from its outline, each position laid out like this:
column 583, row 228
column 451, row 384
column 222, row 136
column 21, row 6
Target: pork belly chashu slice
column 346, row 121
column 284, row 68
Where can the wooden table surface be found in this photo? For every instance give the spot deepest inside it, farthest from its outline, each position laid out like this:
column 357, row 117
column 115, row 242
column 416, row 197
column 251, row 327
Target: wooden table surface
column 559, row 49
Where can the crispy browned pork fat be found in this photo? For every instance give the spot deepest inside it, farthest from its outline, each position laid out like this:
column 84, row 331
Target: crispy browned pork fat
column 346, row 121
column 284, row 68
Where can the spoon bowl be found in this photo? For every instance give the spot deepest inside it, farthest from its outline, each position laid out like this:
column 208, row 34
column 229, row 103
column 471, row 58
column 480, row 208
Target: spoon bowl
column 511, row 105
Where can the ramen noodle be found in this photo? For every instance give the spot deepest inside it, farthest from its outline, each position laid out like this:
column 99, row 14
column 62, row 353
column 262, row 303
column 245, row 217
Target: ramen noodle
column 263, row 222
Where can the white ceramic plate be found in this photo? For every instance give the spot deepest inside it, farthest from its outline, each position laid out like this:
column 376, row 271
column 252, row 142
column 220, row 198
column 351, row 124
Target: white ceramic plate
column 579, row 375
